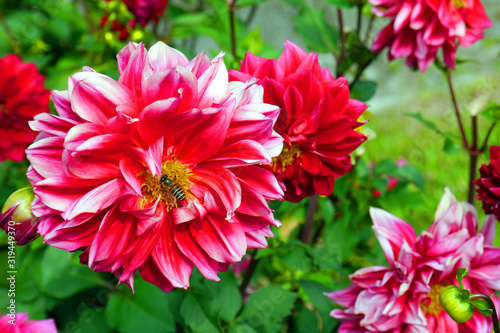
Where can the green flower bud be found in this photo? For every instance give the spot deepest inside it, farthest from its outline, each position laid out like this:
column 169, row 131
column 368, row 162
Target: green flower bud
column 16, row 217
column 458, row 307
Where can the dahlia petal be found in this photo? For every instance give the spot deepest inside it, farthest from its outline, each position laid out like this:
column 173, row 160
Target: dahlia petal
column 223, row 183
column 177, row 82
column 242, row 153
column 151, row 273
column 130, row 169
column 383, row 39
column 124, row 55
column 488, row 230
column 45, row 157
column 420, row 15
column 97, row 199
column 403, row 16
column 345, row 297
column 95, row 99
column 53, row 125
column 191, row 249
column 170, row 260
column 206, row 136
column 154, row 118
column 62, row 104
column 137, row 71
column 476, row 17
column 213, row 83
column 262, row 181
column 164, row 57
column 221, row 240
column 199, row 65
column 291, row 58
column 403, row 46
column 390, row 232
column 293, row 105
column 253, row 203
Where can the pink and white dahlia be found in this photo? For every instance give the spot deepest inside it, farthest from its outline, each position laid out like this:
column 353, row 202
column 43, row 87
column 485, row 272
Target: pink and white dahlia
column 22, row 96
column 18, row 323
column 488, row 190
column 404, row 297
column 318, row 120
column 419, row 28
column 158, row 171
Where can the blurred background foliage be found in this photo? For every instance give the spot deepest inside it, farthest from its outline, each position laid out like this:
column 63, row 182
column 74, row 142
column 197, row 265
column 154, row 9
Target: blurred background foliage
column 411, row 156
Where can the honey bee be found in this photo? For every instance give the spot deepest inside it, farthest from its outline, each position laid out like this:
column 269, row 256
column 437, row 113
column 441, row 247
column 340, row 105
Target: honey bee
column 175, row 189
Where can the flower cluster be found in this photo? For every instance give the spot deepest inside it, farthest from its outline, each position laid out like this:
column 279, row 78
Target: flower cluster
column 22, row 96
column 159, row 171
column 404, row 296
column 488, row 190
column 318, row 120
column 419, row 28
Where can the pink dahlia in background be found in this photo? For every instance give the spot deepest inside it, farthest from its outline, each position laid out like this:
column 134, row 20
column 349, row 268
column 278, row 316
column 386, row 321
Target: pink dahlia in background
column 488, row 190
column 404, row 297
column 22, row 96
column 158, row 171
column 146, row 10
column 18, row 323
column 317, row 120
column 419, row 28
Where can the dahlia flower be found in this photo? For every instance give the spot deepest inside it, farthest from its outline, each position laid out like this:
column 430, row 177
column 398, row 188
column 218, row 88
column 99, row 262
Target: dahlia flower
column 158, row 171
column 22, row 96
column 419, row 28
column 16, row 217
column 405, row 296
column 317, row 121
column 146, row 10
column 488, row 190
column 18, row 323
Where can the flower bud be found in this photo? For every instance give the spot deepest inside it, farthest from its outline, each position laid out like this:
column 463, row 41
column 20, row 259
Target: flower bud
column 16, row 218
column 459, row 309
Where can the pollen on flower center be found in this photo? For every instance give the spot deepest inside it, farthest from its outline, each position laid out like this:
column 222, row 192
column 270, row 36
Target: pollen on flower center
column 459, row 4
column 432, row 306
column 288, row 155
column 172, row 185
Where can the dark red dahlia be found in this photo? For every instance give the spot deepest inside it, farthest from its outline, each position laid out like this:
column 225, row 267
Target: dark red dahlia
column 146, row 10
column 22, row 96
column 318, row 120
column 488, row 191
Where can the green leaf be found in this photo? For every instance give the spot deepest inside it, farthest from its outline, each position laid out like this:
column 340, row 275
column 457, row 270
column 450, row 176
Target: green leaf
column 316, row 293
column 363, row 90
column 297, row 259
column 145, row 311
column 62, row 278
column 195, row 317
column 266, row 308
column 340, row 3
column 451, row 147
column 316, row 33
column 244, row 3
column 433, row 127
column 327, row 209
column 492, row 112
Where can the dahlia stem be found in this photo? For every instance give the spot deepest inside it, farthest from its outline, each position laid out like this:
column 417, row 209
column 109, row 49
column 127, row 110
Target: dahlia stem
column 485, row 143
column 12, row 37
column 251, row 15
column 249, row 273
column 455, row 107
column 369, row 30
column 488, row 300
column 474, row 152
column 358, row 25
column 306, row 233
column 231, row 5
column 341, row 56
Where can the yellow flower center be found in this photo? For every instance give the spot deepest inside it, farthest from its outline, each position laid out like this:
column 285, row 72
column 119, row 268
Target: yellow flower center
column 432, row 306
column 459, row 4
column 172, row 185
column 288, row 155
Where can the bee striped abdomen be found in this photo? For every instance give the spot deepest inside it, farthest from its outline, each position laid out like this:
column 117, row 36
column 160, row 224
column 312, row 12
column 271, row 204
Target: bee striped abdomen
column 177, row 192
column 174, row 189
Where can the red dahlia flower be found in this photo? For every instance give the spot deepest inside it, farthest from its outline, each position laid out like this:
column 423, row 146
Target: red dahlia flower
column 146, row 10
column 158, row 171
column 18, row 323
column 419, row 28
column 22, row 96
column 489, row 184
column 317, row 121
column 405, row 296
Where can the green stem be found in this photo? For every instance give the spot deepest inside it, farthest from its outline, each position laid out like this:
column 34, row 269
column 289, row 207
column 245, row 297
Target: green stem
column 231, row 5
column 474, row 152
column 249, row 273
column 485, row 143
column 306, row 233
column 455, row 108
column 494, row 315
